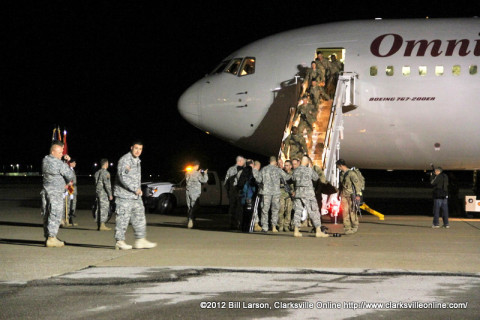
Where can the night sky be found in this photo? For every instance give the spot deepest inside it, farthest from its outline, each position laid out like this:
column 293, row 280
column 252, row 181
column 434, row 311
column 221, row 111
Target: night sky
column 112, row 71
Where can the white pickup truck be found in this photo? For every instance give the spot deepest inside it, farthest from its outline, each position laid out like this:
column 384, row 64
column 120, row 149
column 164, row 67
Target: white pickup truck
column 164, row 197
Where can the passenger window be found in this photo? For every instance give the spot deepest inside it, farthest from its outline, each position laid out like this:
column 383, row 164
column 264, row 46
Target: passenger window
column 220, row 67
column 422, row 70
column 373, row 71
column 473, row 69
column 248, row 67
column 234, row 66
column 439, row 70
column 211, row 179
column 406, row 71
column 456, row 70
column 389, row 71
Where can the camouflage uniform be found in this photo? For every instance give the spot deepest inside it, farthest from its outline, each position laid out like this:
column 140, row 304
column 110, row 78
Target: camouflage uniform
column 305, row 195
column 314, row 74
column 324, row 67
column 318, row 92
column 194, row 181
column 286, row 206
column 270, row 177
column 349, row 182
column 56, row 175
column 73, row 196
column 129, row 205
column 295, row 145
column 104, row 193
column 308, row 116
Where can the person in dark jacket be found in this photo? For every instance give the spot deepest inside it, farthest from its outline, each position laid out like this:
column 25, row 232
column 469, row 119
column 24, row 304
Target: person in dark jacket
column 439, row 181
column 247, row 191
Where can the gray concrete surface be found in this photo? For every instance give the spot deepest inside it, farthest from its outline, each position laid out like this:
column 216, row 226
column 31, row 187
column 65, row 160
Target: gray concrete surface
column 400, row 260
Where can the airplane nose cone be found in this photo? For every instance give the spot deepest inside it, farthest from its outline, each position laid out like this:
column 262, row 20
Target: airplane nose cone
column 188, row 106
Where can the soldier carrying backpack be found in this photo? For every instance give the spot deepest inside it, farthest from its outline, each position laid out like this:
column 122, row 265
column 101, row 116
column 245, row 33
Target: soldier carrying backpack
column 352, row 184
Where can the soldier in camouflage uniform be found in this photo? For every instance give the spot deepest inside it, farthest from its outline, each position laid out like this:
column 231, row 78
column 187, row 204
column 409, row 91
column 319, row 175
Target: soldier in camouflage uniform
column 103, row 187
column 336, row 68
column 194, row 180
column 350, row 190
column 270, row 178
column 307, row 113
column 325, row 66
column 317, row 93
column 286, row 204
column 235, row 208
column 128, row 200
column 294, row 146
column 72, row 196
column 305, row 197
column 56, row 177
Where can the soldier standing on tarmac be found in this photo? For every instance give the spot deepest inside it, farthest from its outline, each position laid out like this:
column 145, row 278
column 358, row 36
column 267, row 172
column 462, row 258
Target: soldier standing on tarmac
column 57, row 176
column 72, row 203
column 103, row 188
column 128, row 200
column 350, row 191
column 270, row 177
column 286, row 204
column 305, row 197
column 194, row 179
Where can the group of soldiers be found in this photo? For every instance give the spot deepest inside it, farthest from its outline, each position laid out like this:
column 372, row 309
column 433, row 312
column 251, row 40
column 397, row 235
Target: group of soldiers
column 319, row 85
column 286, row 188
column 58, row 176
column 325, row 75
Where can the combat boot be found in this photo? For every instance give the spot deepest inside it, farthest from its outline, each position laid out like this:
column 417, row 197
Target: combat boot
column 122, row 245
column 144, row 244
column 190, row 224
column 319, row 233
column 274, row 229
column 53, row 242
column 103, row 227
column 297, row 233
column 257, row 228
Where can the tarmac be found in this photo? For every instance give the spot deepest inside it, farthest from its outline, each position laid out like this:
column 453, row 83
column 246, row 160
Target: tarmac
column 203, row 272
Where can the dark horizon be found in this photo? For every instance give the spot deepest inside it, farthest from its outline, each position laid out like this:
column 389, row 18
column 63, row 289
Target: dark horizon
column 110, row 73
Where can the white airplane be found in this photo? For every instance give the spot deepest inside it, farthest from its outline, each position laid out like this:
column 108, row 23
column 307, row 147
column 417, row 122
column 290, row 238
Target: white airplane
column 417, row 91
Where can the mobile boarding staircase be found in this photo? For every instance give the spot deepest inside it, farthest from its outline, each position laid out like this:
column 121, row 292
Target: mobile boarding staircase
column 344, row 101
column 324, row 144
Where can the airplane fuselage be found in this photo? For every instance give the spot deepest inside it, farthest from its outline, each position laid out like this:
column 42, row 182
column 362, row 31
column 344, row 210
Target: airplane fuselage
column 416, row 92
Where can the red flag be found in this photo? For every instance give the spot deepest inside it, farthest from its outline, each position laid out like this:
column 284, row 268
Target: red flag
column 65, row 148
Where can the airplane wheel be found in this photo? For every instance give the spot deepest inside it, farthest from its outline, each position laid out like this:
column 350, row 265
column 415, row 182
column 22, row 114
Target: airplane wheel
column 166, row 204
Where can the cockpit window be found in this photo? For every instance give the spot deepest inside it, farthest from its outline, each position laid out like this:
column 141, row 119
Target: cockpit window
column 220, row 67
column 248, row 66
column 234, row 66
